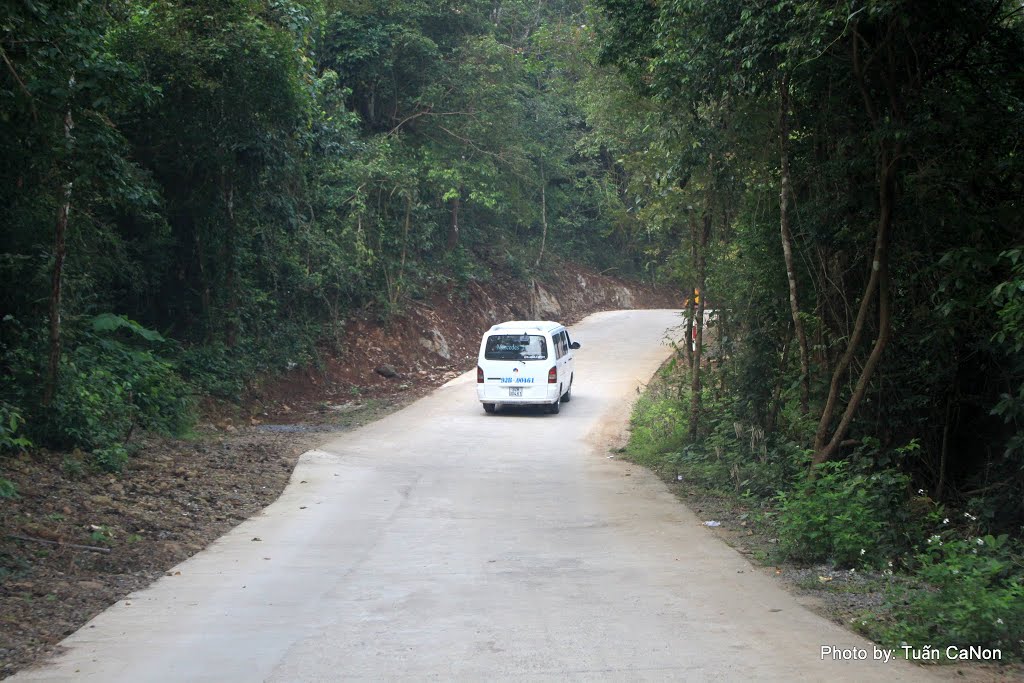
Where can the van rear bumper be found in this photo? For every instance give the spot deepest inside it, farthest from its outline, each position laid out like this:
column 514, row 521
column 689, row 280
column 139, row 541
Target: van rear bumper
column 496, row 393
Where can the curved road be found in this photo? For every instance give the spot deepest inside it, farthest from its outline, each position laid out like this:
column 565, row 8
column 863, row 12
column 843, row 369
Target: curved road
column 440, row 543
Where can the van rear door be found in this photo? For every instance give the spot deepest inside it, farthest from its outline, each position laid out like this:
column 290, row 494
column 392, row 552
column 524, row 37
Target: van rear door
column 518, row 364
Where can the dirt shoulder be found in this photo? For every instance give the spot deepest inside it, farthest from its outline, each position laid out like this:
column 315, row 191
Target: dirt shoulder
column 74, row 542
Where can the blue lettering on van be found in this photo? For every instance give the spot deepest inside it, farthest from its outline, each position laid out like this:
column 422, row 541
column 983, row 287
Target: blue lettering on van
column 517, row 380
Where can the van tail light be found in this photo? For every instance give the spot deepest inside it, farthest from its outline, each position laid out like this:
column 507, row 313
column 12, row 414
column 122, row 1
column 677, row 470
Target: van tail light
column 479, row 375
column 553, row 376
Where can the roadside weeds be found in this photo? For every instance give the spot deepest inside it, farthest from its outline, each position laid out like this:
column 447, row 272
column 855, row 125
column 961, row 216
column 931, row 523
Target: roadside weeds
column 844, row 596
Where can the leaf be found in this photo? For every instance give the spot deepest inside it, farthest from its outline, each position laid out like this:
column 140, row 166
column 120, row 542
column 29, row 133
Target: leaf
column 111, row 322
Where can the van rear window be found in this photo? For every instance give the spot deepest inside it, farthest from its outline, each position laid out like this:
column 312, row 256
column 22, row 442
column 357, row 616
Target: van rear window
column 516, row 347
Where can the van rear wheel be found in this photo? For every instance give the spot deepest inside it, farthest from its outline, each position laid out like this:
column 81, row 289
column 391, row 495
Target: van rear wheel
column 489, row 408
column 567, row 396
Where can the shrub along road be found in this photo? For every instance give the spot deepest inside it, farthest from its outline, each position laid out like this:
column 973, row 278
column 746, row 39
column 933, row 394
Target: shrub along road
column 443, row 542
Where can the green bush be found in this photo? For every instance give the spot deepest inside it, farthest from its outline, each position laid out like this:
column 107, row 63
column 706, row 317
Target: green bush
column 971, row 593
column 10, row 422
column 92, row 407
column 109, row 459
column 224, row 372
column 658, row 429
column 214, row 371
column 765, row 475
column 729, row 459
column 72, row 466
column 463, row 267
column 849, row 518
column 111, row 383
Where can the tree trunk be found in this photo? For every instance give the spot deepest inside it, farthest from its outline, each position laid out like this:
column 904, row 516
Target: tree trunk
column 400, row 285
column 721, row 322
column 944, row 453
column 776, row 406
column 230, row 283
column 453, row 227
column 825, row 447
column 698, row 347
column 787, row 242
column 691, row 300
column 57, row 280
column 691, row 307
column 205, row 290
column 543, row 216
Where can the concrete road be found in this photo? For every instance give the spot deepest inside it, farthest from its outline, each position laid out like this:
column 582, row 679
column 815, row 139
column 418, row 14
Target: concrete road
column 441, row 543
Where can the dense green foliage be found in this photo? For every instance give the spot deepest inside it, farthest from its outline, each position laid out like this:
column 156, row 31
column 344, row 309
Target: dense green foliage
column 852, row 519
column 897, row 129
column 971, row 591
column 240, row 175
column 843, row 183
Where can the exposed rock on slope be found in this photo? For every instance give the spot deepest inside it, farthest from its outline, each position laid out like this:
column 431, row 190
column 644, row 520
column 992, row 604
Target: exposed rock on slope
column 437, row 338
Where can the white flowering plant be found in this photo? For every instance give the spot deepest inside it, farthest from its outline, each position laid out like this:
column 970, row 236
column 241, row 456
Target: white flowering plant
column 970, row 591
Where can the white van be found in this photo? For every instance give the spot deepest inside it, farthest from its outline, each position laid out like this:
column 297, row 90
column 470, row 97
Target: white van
column 525, row 362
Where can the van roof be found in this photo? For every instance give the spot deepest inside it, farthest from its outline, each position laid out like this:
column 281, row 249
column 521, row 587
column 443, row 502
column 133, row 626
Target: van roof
column 523, row 325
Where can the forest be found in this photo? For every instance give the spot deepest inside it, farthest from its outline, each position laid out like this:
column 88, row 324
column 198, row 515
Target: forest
column 197, row 194
column 843, row 182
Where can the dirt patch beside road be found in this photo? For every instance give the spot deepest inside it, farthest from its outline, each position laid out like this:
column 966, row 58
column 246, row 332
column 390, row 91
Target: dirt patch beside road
column 173, row 499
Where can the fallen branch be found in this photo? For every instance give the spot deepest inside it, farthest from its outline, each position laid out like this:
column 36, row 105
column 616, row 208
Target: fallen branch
column 985, row 489
column 33, row 539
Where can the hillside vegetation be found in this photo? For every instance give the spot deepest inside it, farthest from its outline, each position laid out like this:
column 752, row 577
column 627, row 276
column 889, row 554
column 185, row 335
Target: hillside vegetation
column 197, row 194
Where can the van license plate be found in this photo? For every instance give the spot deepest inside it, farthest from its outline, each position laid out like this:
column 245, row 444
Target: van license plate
column 515, row 392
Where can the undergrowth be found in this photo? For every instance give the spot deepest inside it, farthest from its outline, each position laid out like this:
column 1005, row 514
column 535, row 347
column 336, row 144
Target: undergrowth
column 947, row 581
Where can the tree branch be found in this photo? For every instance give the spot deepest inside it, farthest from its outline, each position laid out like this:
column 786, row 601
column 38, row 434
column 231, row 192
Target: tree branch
column 986, row 24
column 429, row 112
column 21, row 84
column 33, row 539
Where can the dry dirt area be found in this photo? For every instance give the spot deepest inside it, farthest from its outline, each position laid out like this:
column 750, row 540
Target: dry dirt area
column 74, row 542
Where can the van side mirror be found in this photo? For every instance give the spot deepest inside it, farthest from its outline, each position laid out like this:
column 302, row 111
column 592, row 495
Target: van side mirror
column 574, row 345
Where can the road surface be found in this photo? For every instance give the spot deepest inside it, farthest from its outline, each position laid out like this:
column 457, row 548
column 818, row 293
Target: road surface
column 441, row 543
